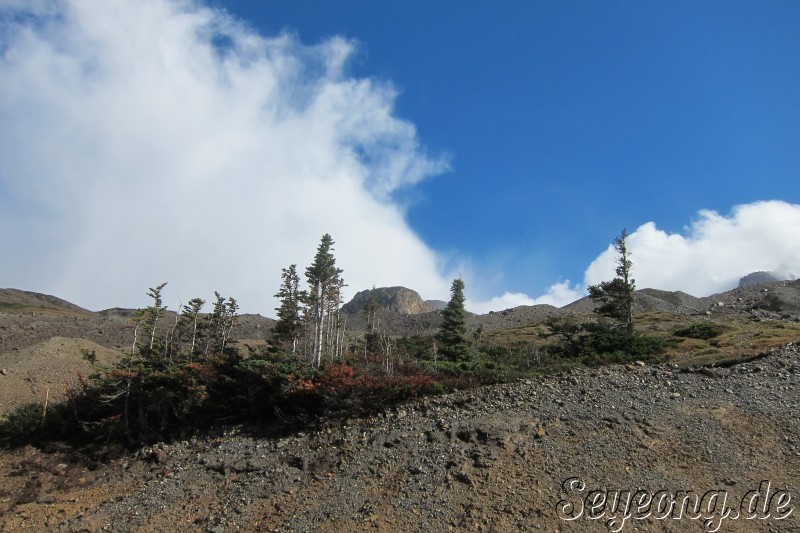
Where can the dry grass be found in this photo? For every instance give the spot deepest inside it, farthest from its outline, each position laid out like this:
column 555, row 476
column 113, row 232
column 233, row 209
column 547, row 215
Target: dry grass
column 741, row 337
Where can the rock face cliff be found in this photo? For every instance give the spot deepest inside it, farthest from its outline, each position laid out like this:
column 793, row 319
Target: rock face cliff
column 397, row 299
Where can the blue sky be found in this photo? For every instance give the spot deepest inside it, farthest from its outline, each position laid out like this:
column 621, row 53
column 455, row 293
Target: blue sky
column 520, row 137
column 568, row 121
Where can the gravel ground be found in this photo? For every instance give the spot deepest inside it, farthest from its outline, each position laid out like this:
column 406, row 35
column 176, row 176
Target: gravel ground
column 491, row 459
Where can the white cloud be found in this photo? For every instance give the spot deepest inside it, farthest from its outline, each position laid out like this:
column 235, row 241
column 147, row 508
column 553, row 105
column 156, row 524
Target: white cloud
column 714, row 254
column 156, row 140
column 716, row 251
column 557, row 295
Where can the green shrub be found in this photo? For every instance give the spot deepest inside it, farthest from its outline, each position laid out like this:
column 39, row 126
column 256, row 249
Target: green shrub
column 22, row 424
column 605, row 343
column 699, row 330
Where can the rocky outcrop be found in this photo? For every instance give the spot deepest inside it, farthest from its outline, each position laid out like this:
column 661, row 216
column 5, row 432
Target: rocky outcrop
column 758, row 278
column 397, row 299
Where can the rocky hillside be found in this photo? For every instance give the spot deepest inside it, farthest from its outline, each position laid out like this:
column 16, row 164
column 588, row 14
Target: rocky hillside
column 17, row 300
column 396, row 299
column 43, row 340
column 492, row 459
column 437, row 305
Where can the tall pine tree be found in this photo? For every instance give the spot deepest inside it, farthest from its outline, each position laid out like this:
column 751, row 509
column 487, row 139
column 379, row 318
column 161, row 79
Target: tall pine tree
column 616, row 296
column 324, row 283
column 287, row 330
column 191, row 323
column 149, row 318
column 454, row 343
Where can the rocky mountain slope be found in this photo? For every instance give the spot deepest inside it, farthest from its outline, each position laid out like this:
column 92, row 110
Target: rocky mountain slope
column 492, row 459
column 17, row 300
column 43, row 340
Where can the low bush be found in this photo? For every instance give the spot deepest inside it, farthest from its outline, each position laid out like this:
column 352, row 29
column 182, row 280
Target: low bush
column 137, row 403
column 699, row 330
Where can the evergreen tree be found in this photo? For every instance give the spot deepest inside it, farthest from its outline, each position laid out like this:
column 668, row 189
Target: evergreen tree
column 616, row 296
column 220, row 324
column 454, row 343
column 289, row 326
column 324, row 295
column 149, row 318
column 231, row 318
column 191, row 322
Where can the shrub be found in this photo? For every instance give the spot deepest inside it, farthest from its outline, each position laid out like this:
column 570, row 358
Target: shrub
column 699, row 330
column 605, row 343
column 353, row 390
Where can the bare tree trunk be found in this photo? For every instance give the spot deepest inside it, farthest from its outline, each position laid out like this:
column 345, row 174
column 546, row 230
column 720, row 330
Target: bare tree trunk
column 318, row 341
column 386, row 348
column 194, row 333
column 319, row 317
column 340, row 340
column 170, row 336
column 153, row 333
column 227, row 334
column 329, row 333
column 133, row 347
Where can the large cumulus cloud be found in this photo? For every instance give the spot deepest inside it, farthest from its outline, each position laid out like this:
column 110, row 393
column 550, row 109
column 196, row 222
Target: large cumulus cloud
column 160, row 140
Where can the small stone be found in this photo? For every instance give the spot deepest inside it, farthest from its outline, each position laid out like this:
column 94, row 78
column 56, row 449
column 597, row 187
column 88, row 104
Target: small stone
column 3, row 372
column 415, row 470
column 46, row 500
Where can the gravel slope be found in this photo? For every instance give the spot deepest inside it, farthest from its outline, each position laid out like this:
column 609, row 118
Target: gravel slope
column 492, row 459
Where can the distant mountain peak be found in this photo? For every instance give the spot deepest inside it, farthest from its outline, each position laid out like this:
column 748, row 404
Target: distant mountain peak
column 757, row 278
column 397, row 299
